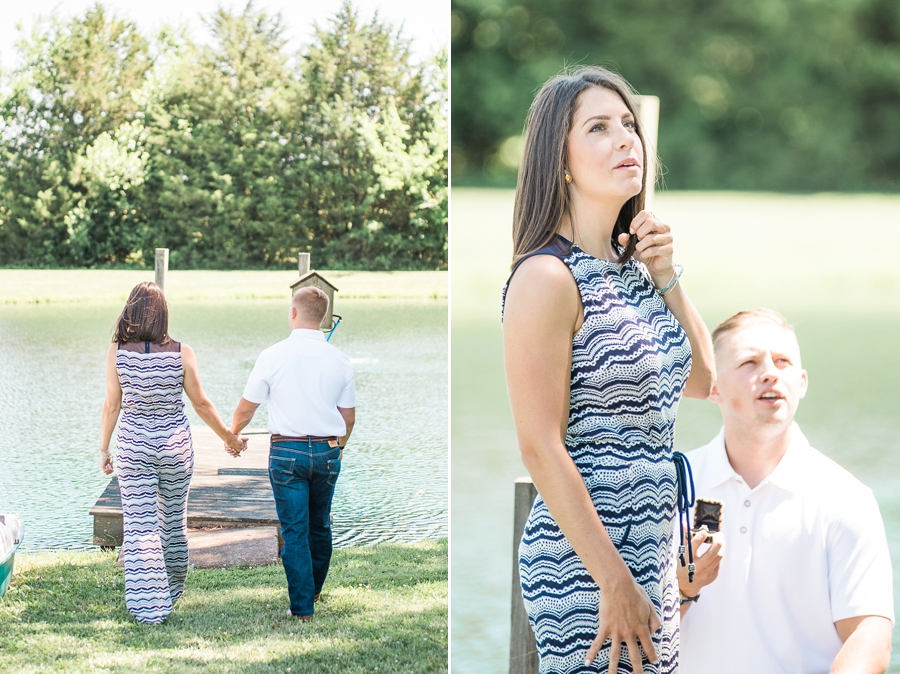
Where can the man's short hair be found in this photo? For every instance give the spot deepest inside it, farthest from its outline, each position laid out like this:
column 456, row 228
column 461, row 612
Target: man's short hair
column 311, row 303
column 761, row 315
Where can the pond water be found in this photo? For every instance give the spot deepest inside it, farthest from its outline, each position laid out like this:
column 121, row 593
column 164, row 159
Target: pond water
column 52, row 360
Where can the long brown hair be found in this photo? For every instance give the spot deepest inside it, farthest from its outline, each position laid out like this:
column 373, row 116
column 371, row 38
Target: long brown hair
column 542, row 197
column 145, row 317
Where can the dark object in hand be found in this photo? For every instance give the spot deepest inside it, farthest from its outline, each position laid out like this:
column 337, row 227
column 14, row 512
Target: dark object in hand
column 707, row 513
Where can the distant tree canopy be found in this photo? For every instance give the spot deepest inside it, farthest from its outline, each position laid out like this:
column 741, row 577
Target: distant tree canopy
column 232, row 155
column 787, row 95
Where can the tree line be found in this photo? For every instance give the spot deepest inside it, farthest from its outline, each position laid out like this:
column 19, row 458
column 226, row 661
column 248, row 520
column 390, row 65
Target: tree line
column 232, row 154
column 786, row 95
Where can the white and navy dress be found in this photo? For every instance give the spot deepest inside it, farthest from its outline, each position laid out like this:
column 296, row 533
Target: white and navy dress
column 155, row 460
column 630, row 361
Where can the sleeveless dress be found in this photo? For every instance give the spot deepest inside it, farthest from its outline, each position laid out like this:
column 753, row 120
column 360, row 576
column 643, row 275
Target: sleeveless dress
column 630, row 361
column 155, row 460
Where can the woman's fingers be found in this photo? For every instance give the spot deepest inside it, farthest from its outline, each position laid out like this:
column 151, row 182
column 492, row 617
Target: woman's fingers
column 615, row 652
column 647, row 642
column 634, row 654
column 656, row 240
column 595, row 646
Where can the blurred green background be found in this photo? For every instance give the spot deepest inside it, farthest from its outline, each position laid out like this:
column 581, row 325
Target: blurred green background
column 783, row 95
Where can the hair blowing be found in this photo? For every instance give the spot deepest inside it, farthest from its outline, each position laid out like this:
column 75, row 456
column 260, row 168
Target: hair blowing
column 145, row 317
column 542, row 196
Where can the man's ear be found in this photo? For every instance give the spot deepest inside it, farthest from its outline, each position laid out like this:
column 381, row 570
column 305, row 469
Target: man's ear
column 804, row 384
column 714, row 394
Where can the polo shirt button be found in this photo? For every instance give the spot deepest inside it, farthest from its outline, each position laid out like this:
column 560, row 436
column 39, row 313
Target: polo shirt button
column 747, row 503
column 743, row 530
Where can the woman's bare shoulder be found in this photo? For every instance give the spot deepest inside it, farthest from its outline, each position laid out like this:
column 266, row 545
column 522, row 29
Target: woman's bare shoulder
column 543, row 281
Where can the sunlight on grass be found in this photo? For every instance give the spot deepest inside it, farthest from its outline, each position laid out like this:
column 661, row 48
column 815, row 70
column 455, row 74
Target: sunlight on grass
column 384, row 608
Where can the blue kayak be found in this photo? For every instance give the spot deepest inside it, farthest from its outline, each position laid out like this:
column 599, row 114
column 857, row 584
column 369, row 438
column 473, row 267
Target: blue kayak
column 8, row 560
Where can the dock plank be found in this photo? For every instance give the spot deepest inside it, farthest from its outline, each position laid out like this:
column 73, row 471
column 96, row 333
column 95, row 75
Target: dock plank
column 225, row 491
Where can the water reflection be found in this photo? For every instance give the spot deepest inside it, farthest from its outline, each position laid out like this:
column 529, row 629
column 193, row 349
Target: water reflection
column 52, row 359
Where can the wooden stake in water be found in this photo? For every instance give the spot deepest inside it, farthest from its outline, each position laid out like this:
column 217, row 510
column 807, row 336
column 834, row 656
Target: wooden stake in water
column 523, row 656
column 649, row 112
column 162, row 267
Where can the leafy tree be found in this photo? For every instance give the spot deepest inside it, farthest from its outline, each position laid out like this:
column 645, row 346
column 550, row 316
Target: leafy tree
column 235, row 154
column 59, row 126
column 755, row 94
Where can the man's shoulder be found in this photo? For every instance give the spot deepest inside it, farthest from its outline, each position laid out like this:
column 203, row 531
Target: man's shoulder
column 827, row 477
column 699, row 458
column 337, row 354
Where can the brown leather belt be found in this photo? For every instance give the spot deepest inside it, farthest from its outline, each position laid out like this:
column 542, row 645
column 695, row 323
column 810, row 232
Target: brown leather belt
column 303, row 438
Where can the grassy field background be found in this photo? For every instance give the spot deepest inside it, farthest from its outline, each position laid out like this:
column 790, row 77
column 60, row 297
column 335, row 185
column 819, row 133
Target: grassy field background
column 44, row 286
column 828, row 262
column 383, row 609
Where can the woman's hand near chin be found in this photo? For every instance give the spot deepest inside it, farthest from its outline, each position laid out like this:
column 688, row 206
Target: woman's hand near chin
column 654, row 248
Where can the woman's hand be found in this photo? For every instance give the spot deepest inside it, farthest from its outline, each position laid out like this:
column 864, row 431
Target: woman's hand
column 654, row 247
column 106, row 461
column 235, row 444
column 627, row 616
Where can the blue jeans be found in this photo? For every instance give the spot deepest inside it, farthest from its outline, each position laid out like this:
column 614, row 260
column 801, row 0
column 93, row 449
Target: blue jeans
column 303, row 475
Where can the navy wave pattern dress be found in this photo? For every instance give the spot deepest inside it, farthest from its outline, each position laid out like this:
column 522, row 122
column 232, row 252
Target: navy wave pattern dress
column 155, row 460
column 630, row 361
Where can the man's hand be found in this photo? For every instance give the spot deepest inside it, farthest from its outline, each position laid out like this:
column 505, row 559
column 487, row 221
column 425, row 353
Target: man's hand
column 707, row 564
column 235, row 445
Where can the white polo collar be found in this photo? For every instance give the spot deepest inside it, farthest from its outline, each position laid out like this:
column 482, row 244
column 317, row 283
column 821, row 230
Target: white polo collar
column 787, row 474
column 307, row 333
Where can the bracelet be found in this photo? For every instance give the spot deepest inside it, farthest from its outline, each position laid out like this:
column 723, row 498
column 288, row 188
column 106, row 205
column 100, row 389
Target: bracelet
column 679, row 270
column 687, row 600
column 104, row 451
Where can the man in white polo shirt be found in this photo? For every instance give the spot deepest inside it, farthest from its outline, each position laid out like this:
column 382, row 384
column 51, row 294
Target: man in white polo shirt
column 308, row 387
column 799, row 581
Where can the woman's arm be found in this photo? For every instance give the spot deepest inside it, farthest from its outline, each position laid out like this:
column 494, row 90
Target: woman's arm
column 202, row 405
column 111, row 407
column 542, row 310
column 654, row 249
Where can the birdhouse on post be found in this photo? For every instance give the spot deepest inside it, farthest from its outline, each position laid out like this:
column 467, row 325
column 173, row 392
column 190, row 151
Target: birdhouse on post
column 310, row 277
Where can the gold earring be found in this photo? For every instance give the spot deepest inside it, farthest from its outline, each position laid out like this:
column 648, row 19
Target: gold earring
column 568, row 177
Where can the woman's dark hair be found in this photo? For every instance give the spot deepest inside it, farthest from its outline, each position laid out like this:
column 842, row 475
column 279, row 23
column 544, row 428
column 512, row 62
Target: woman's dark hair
column 542, row 197
column 145, row 317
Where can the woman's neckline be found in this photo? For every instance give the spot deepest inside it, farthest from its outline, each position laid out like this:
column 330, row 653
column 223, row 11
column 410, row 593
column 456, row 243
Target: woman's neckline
column 617, row 265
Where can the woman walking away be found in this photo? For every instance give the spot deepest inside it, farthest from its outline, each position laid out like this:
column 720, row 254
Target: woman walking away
column 146, row 372
column 598, row 341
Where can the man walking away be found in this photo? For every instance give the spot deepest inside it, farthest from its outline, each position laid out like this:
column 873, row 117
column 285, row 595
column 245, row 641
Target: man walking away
column 307, row 385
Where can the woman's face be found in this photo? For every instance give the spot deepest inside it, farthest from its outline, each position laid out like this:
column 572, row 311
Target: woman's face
column 605, row 154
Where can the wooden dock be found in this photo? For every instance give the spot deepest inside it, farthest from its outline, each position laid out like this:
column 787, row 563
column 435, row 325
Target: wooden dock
column 225, row 491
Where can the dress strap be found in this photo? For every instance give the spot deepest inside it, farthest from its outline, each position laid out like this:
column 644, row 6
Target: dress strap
column 147, row 347
column 560, row 247
column 685, row 487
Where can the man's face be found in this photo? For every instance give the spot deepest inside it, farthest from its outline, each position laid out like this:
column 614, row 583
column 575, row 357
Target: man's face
column 759, row 377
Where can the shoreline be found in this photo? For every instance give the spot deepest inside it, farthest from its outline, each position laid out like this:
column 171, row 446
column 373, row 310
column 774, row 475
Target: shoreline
column 34, row 287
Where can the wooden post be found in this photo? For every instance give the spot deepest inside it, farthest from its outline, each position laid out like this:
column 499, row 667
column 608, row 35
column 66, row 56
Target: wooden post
column 523, row 656
column 162, row 267
column 303, row 263
column 649, row 111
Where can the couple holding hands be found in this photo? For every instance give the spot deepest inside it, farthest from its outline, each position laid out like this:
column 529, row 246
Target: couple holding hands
column 309, row 390
column 600, row 344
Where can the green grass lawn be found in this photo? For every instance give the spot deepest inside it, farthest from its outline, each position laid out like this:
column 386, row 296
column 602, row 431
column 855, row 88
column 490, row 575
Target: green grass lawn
column 42, row 286
column 383, row 609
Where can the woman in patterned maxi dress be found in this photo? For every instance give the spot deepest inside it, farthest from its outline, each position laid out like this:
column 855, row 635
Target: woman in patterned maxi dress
column 600, row 343
column 146, row 372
